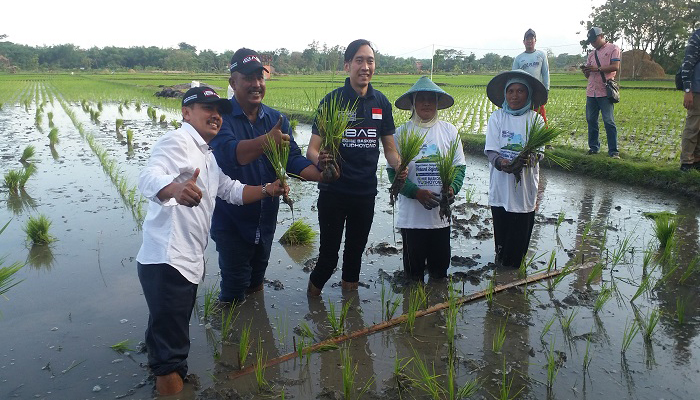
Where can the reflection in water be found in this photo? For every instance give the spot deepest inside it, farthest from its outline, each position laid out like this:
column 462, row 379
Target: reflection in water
column 299, row 253
column 54, row 153
column 671, row 291
column 40, row 256
column 513, row 308
column 19, row 202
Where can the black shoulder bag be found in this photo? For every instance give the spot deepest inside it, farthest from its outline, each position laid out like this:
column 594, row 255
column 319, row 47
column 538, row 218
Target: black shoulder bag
column 611, row 85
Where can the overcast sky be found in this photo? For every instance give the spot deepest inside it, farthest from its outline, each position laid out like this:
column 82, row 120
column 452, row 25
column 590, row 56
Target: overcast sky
column 405, row 29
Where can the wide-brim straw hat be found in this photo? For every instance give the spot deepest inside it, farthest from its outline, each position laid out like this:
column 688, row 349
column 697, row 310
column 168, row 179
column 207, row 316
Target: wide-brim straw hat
column 496, row 88
column 424, row 84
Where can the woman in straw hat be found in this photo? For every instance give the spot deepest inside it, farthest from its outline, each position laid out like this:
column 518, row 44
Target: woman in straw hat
column 426, row 236
column 514, row 180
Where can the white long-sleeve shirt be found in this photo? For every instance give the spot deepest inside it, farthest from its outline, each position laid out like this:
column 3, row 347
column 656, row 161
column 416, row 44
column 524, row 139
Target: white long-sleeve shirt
column 172, row 233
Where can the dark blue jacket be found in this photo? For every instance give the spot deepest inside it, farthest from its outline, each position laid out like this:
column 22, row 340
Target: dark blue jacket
column 359, row 149
column 690, row 68
column 258, row 219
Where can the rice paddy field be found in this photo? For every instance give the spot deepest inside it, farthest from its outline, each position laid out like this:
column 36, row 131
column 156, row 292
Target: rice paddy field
column 609, row 306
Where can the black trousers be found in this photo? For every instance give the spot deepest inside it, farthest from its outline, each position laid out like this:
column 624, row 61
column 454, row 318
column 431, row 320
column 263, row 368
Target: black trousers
column 426, row 248
column 335, row 212
column 511, row 233
column 170, row 298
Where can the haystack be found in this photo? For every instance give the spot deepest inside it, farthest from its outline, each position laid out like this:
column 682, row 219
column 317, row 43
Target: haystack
column 638, row 64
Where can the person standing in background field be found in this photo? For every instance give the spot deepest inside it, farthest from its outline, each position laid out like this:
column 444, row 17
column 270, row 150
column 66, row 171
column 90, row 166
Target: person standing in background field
column 690, row 74
column 348, row 202
column 535, row 63
column 182, row 179
column 596, row 94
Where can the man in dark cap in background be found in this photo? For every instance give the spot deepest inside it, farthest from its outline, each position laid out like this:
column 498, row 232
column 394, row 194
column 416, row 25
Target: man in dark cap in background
column 243, row 235
column 603, row 60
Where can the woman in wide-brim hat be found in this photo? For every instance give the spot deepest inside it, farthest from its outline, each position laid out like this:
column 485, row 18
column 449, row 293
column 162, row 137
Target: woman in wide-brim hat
column 512, row 202
column 426, row 236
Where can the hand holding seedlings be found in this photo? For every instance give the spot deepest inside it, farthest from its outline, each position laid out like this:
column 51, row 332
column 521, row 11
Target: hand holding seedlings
column 325, row 158
column 276, row 189
column 428, row 199
column 186, row 193
column 277, row 134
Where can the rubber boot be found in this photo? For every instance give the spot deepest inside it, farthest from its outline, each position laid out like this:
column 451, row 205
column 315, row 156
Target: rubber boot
column 170, row 384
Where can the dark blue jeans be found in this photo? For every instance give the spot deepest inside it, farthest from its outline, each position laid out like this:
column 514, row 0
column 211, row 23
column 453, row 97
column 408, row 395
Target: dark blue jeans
column 242, row 263
column 594, row 106
column 170, row 298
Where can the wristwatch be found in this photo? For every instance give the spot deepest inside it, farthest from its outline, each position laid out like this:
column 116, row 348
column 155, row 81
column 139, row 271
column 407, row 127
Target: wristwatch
column 687, row 90
column 264, row 190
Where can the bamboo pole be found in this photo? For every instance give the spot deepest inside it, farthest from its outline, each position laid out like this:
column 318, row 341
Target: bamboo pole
column 399, row 320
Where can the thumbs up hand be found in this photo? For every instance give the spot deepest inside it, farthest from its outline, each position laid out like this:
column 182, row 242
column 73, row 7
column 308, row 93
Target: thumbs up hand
column 188, row 193
column 277, row 134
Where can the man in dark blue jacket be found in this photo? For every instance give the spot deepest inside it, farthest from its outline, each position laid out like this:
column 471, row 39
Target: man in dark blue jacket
column 243, row 234
column 690, row 73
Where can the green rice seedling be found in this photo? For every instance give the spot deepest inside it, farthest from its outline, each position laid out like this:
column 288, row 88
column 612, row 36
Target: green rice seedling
column 260, row 361
column 619, row 253
column 299, row 346
column 595, row 274
column 282, row 327
column 391, row 306
column 175, row 124
column 604, row 295
column 409, row 145
column 451, row 315
column 137, row 106
column 99, row 106
column 506, row 386
column 552, row 364
column 566, row 271
column 665, row 226
column 630, row 332
column 539, row 135
column 121, row 110
column 469, row 193
column 12, row 179
column 690, row 270
column 552, row 263
column 27, row 172
column 119, row 123
column 277, row 155
column 587, row 354
column 425, row 379
column 331, row 119
column 298, row 233
column 126, row 104
column 547, row 326
column 399, row 368
column 349, row 373
column 228, row 319
column 560, row 218
column 96, row 117
column 211, row 294
column 122, row 347
column 7, row 273
column 469, row 389
column 645, row 285
column 244, row 344
column 27, row 153
column 447, row 171
column 305, row 330
column 150, row 112
column 163, row 119
column 130, row 139
column 337, row 322
column 566, row 322
column 53, row 137
column 499, row 337
column 38, row 119
column 680, row 310
column 293, row 125
column 37, row 230
column 50, row 116
column 649, row 324
column 490, row 289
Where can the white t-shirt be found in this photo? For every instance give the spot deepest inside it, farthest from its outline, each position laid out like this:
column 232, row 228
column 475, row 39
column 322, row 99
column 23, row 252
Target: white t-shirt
column 506, row 134
column 422, row 171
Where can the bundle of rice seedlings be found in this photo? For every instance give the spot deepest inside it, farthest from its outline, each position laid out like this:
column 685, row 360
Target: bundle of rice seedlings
column 53, row 137
column 26, row 173
column 12, row 178
column 37, row 230
column 175, row 123
column 665, row 229
column 447, row 172
column 299, row 233
column 293, row 124
column 130, row 139
column 538, row 135
column 410, row 143
column 27, row 153
column 120, row 109
column 7, row 279
column 119, row 123
column 332, row 118
column 278, row 154
column 50, row 115
column 138, row 106
column 163, row 119
column 99, row 106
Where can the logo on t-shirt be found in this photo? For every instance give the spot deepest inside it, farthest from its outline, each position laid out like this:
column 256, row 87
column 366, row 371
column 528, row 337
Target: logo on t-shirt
column 426, row 166
column 514, row 146
column 376, row 113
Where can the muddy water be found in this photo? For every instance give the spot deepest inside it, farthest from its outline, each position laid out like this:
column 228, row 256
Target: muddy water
column 81, row 294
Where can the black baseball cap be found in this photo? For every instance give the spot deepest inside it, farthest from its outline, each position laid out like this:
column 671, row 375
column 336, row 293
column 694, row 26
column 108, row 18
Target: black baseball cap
column 203, row 94
column 529, row 32
column 594, row 33
column 246, row 61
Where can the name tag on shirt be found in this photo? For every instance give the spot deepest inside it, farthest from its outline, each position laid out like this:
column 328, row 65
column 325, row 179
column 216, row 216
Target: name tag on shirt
column 376, row 113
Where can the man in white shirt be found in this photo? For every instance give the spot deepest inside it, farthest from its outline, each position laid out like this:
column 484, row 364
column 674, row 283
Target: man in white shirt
column 182, row 180
column 535, row 63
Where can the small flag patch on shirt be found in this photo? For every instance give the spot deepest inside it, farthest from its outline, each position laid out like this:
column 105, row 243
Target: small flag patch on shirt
column 376, row 113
